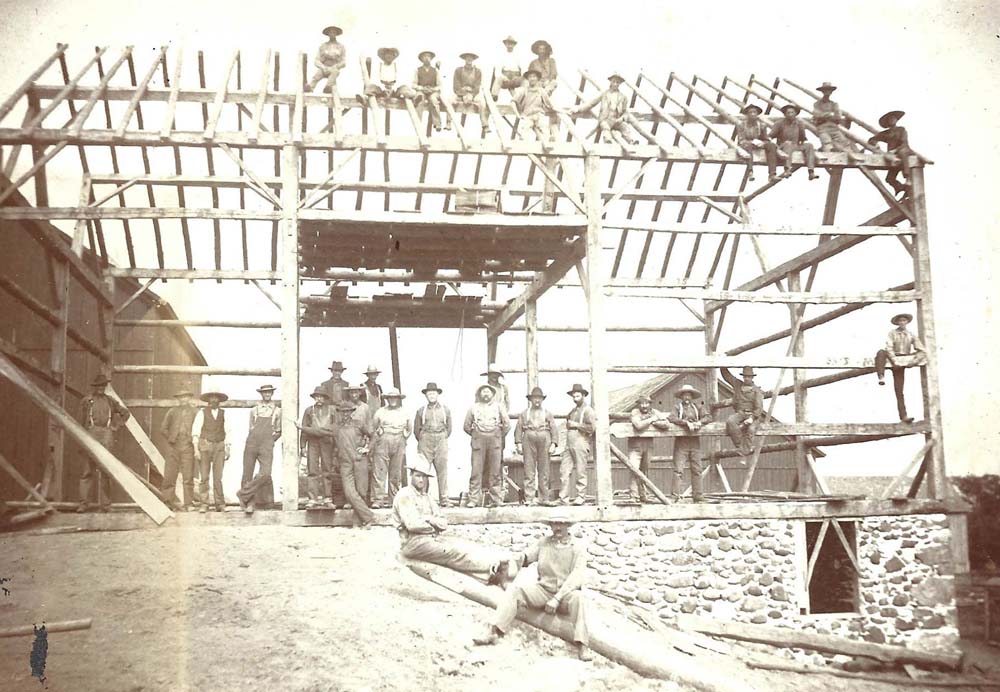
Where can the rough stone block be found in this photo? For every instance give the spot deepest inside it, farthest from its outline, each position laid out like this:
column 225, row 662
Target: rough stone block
column 778, row 593
column 725, row 544
column 766, row 579
column 669, row 596
column 894, row 564
column 680, row 581
column 755, row 590
column 753, row 604
column 934, row 591
column 689, row 607
column 723, row 532
column 681, row 559
column 704, row 549
column 711, row 534
column 644, row 596
column 759, row 619
column 662, row 529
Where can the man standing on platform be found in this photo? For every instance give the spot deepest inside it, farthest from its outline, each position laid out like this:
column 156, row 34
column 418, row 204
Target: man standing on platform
column 902, row 350
column 748, row 408
column 265, row 429
column 535, row 438
column 352, row 458
column 789, row 133
column 640, row 449
column 330, row 60
column 487, row 424
column 210, row 436
column 371, row 392
column 101, row 416
column 580, row 425
column 392, row 429
column 432, row 428
column 176, row 428
column 335, row 386
column 562, row 571
column 690, row 415
column 316, row 443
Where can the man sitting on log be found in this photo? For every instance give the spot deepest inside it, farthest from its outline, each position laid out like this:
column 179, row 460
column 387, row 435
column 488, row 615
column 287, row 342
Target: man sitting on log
column 748, row 407
column 562, row 569
column 420, row 524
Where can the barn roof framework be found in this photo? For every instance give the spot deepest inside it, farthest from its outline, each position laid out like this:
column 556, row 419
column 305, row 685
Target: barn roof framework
column 163, row 151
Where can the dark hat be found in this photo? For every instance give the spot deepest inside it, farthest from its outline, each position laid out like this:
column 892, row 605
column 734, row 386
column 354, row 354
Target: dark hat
column 472, row 55
column 510, row 39
column 383, row 53
column 337, row 366
column 99, row 381
column 688, row 389
column 884, row 120
column 535, row 391
column 752, row 107
column 492, row 368
column 319, row 391
column 208, row 396
column 265, row 388
column 791, row 106
column 534, row 72
column 747, row 372
column 827, row 87
column 616, row 75
column 480, row 388
column 900, row 317
column 332, row 31
column 537, row 46
column 578, row 388
column 431, row 386
column 421, row 54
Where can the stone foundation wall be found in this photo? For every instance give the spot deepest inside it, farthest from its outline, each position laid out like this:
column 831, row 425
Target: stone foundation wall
column 753, row 571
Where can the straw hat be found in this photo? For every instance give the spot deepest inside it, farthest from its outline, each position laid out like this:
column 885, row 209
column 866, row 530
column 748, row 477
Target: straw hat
column 536, row 47
column 265, row 388
column 420, row 464
column 826, row 88
column 687, row 389
column 208, row 396
column 903, row 316
column 480, row 388
column 394, row 394
column 332, row 31
column 791, row 106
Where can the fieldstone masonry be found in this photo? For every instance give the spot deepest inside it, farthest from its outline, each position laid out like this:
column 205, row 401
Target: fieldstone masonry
column 748, row 570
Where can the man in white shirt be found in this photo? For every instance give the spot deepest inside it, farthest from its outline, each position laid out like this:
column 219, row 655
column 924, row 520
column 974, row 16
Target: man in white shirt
column 902, row 350
column 508, row 72
column 210, row 436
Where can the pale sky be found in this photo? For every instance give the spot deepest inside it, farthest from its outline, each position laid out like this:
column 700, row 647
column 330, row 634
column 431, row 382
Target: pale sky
column 936, row 60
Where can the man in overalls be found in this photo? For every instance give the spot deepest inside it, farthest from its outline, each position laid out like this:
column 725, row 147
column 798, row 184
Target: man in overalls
column 316, row 444
column 265, row 429
column 352, row 458
column 432, row 428
column 101, row 416
column 392, row 428
column 487, row 424
column 535, row 437
column 690, row 415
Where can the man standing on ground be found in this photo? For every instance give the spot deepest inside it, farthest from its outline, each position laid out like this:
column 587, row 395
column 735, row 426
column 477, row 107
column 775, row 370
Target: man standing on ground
column 316, row 445
column 640, row 449
column 487, row 424
column 265, row 429
column 902, row 350
column 335, row 386
column 535, row 439
column 580, row 425
column 748, row 408
column 176, row 428
column 392, row 429
column 352, row 450
column 689, row 415
column 101, row 416
column 562, row 571
column 432, row 428
column 210, row 436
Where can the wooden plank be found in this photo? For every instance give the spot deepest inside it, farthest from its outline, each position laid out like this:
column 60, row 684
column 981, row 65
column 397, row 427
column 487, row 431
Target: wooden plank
column 258, row 185
column 758, row 230
column 28, row 83
column 173, row 324
column 76, row 127
column 710, row 127
column 531, row 341
column 623, row 429
column 825, row 643
column 643, row 478
column 37, row 169
column 848, row 548
column 29, row 129
column 220, row 97
column 290, row 326
column 50, row 627
column 133, row 103
column 901, row 478
column 166, row 130
column 901, row 680
column 25, row 485
column 143, row 440
column 258, row 109
column 321, row 190
column 817, row 547
column 559, row 184
column 195, row 370
column 152, row 506
column 820, row 480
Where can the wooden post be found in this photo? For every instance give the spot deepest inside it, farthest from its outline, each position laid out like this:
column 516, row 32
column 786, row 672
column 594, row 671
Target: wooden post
column 531, row 341
column 548, row 193
column 936, row 472
column 598, row 362
column 289, row 327
column 806, row 481
column 394, row 355
column 492, row 343
column 711, row 386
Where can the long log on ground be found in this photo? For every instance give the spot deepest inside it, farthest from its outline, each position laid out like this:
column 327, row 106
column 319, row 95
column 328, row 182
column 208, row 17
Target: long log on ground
column 903, row 680
column 29, row 630
column 825, row 643
column 650, row 661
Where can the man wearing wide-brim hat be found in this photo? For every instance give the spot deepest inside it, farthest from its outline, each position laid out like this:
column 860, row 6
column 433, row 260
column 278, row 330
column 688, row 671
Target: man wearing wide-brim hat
column 352, row 462
column 335, row 386
column 751, row 136
column 371, row 392
column 748, row 408
column 690, row 415
column 508, row 72
column 265, row 429
column 789, row 133
column 535, row 438
column 640, row 449
column 562, row 572
column 827, row 118
column 580, row 425
column 384, row 75
column 179, row 457
column 898, row 144
column 316, row 444
column 210, row 436
column 545, row 64
column 331, row 57
column 486, row 423
column 613, row 117
column 493, row 376
column 391, row 426
column 420, row 524
column 902, row 350
column 102, row 416
column 427, row 88
column 467, row 83
column 432, row 428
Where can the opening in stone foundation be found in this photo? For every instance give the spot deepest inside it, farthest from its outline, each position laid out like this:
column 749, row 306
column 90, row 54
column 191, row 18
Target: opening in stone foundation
column 833, row 586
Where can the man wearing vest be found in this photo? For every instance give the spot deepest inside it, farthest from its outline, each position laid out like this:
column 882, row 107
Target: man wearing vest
column 432, row 428
column 392, row 429
column 265, row 429
column 316, row 444
column 176, row 427
column 427, row 86
column 580, row 425
column 101, row 416
column 210, row 437
column 687, row 448
column 535, row 437
column 487, row 424
column 640, row 449
column 371, row 392
column 467, row 84
column 902, row 350
column 748, row 407
column 352, row 451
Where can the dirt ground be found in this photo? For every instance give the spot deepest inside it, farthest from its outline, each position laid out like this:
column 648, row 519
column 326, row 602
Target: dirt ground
column 277, row 608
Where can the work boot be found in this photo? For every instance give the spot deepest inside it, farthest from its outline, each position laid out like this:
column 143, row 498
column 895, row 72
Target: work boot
column 488, row 639
column 498, row 575
column 248, row 509
column 82, row 507
column 445, row 502
column 203, row 509
column 580, row 500
column 220, row 508
column 583, row 653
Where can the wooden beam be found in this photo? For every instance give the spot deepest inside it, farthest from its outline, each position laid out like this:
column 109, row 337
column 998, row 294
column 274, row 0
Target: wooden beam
column 220, row 97
column 27, row 84
column 193, row 274
column 133, row 103
column 76, row 127
column 195, row 370
column 167, row 130
column 174, row 324
column 290, row 326
column 621, row 429
column 37, row 169
column 149, row 503
column 757, row 230
column 531, row 341
column 145, row 443
column 901, row 478
column 25, row 485
column 29, row 129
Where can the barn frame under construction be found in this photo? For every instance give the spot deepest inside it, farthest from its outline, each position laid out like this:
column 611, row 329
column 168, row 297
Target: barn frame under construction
column 292, row 171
